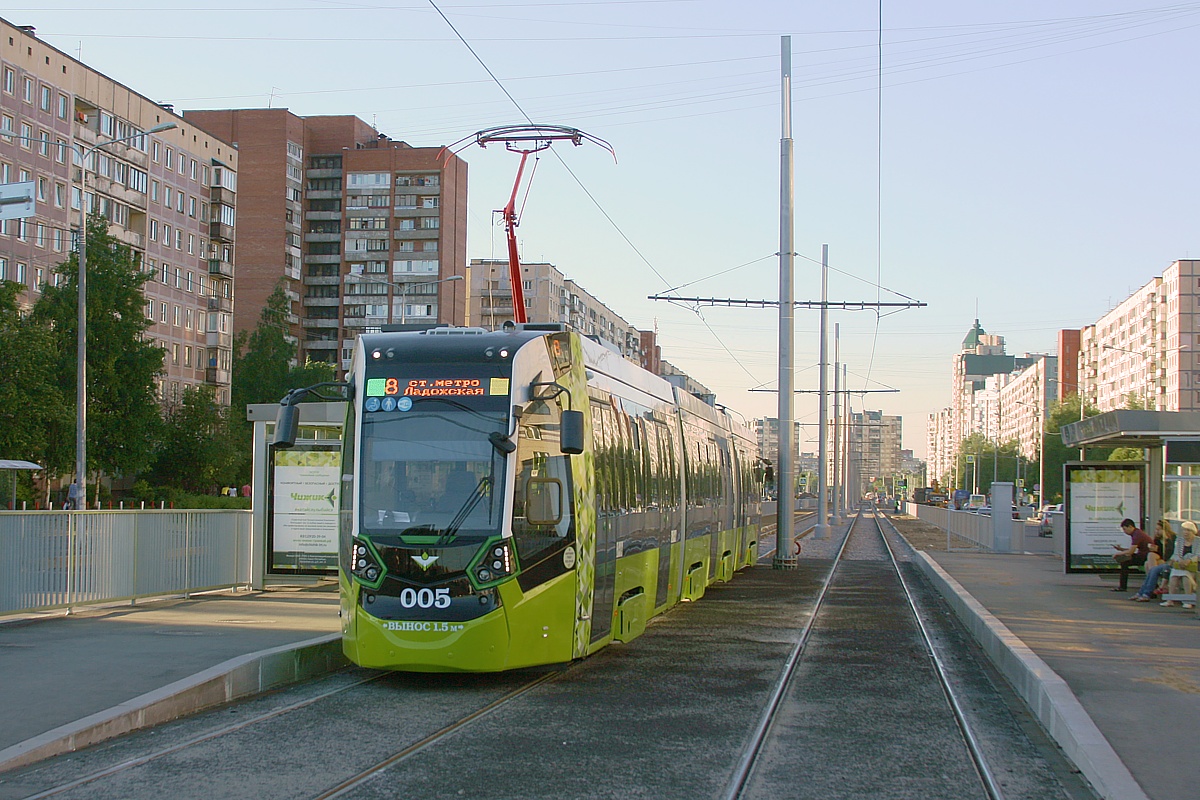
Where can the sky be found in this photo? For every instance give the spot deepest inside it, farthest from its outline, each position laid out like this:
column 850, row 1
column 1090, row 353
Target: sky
column 1028, row 164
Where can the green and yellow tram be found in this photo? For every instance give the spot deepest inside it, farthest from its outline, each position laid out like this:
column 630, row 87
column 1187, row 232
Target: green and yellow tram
column 526, row 497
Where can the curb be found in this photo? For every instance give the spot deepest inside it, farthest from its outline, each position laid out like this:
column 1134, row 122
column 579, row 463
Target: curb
column 230, row 680
column 1046, row 694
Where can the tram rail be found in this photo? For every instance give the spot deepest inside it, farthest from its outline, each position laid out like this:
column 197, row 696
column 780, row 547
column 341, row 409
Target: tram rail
column 740, row 785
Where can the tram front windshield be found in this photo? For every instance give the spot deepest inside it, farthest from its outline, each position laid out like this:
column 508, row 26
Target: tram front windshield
column 432, row 471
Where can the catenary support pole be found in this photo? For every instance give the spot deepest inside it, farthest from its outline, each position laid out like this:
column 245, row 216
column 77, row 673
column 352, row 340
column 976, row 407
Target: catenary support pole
column 822, row 529
column 785, row 557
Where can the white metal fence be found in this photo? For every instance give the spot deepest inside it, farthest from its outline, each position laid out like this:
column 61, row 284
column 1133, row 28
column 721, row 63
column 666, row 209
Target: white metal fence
column 964, row 530
column 56, row 559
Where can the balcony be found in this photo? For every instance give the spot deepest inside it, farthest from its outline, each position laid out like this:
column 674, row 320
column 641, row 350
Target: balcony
column 321, row 344
column 220, row 304
column 310, row 322
column 217, row 376
column 323, row 237
column 220, row 232
column 220, row 194
column 323, row 258
column 218, row 339
column 310, row 302
column 221, row 268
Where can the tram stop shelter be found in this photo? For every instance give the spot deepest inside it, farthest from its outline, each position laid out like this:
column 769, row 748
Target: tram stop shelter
column 1170, row 467
column 8, row 464
column 294, row 495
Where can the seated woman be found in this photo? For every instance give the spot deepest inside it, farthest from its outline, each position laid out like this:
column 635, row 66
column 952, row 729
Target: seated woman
column 1163, row 547
column 1183, row 566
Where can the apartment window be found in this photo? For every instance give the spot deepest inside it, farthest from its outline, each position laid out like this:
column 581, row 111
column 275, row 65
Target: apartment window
column 10, row 81
column 192, row 207
column 150, row 310
column 406, row 201
column 295, row 151
column 20, row 276
column 175, row 317
column 325, row 162
column 175, row 360
column 153, row 230
column 43, row 189
column 60, row 151
column 64, row 106
column 178, row 285
column 26, row 136
column 8, row 124
column 154, row 190
column 429, row 202
column 27, row 92
column 3, row 269
column 60, row 238
column 366, row 201
column 46, row 99
column 162, row 313
column 192, row 168
column 182, row 164
column 191, row 251
column 406, row 247
column 154, row 154
column 44, row 143
column 325, row 184
column 168, row 158
column 179, row 201
column 166, row 275
column 376, row 267
column 187, row 317
column 430, row 223
column 167, row 196
column 187, row 356
column 368, row 224
column 166, row 236
column 406, row 224
column 364, row 180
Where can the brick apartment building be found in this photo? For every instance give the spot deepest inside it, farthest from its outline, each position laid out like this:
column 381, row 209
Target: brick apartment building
column 362, row 230
column 170, row 196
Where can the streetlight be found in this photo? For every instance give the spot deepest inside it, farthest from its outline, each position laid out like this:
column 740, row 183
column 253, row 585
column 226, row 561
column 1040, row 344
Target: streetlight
column 404, row 287
column 81, row 359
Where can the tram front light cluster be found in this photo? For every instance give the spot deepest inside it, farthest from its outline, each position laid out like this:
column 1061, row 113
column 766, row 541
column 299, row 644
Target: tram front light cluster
column 363, row 563
column 496, row 563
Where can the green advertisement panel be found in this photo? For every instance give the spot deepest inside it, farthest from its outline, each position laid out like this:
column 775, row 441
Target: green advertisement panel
column 1098, row 496
column 302, row 532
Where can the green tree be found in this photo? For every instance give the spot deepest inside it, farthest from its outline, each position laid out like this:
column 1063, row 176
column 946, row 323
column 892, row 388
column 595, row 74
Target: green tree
column 122, row 363
column 265, row 369
column 34, row 414
column 199, row 448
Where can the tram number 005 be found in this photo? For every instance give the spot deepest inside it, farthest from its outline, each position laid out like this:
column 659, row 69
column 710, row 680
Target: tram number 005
column 425, row 598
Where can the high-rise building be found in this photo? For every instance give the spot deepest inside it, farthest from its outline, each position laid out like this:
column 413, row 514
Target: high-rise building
column 550, row 296
column 170, row 196
column 359, row 230
column 1144, row 351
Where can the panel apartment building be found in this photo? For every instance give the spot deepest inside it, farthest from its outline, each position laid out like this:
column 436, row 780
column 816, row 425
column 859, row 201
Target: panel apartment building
column 1146, row 349
column 360, row 230
column 550, row 296
column 171, row 196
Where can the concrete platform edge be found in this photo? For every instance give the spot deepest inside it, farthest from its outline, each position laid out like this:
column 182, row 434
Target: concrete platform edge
column 1047, row 695
column 230, row 680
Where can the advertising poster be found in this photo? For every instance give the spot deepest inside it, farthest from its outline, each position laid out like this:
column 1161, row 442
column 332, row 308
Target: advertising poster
column 1098, row 497
column 304, row 508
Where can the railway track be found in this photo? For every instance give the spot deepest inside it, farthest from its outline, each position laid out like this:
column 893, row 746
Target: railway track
column 699, row 706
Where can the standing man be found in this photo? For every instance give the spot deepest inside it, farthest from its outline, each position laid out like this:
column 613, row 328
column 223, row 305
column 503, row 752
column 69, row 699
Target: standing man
column 74, row 495
column 1134, row 556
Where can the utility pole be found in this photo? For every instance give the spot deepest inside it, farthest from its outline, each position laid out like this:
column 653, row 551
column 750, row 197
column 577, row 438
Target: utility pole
column 837, row 428
column 786, row 486
column 822, row 529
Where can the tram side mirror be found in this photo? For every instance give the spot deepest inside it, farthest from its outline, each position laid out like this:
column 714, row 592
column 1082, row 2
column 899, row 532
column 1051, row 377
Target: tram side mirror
column 287, row 426
column 571, row 433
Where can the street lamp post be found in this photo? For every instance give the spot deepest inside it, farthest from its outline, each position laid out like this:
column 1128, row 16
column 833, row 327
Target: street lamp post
column 81, row 349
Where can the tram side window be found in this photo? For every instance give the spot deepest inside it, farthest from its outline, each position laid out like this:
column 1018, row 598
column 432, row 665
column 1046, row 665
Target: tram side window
column 542, row 504
column 600, row 460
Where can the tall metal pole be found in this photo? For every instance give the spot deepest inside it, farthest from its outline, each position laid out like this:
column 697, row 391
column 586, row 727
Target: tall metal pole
column 822, row 530
column 846, row 441
column 785, row 503
column 837, row 428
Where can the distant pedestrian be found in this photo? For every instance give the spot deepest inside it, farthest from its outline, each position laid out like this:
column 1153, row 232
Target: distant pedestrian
column 1133, row 556
column 74, row 496
column 246, row 490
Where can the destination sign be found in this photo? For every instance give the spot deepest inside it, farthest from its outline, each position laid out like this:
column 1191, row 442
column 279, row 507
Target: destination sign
column 437, row 387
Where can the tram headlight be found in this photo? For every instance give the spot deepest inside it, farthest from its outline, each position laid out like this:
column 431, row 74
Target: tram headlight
column 496, row 563
column 363, row 564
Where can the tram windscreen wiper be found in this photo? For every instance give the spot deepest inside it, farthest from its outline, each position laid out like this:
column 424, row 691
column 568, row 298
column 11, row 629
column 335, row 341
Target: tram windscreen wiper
column 477, row 494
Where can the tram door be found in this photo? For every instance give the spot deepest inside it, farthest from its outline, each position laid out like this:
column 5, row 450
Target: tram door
column 606, row 442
